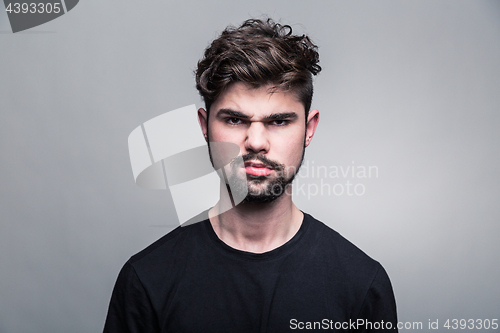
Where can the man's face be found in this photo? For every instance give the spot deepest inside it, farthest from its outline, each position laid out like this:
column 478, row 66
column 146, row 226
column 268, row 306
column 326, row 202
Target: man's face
column 271, row 132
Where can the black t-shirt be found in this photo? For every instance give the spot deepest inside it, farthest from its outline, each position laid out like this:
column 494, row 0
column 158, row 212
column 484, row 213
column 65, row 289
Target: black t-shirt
column 190, row 281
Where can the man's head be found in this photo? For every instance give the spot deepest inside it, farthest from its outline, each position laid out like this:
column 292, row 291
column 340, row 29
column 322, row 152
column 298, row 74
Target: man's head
column 256, row 81
column 259, row 53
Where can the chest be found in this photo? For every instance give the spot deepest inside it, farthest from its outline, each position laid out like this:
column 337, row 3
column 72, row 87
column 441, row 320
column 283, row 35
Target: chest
column 253, row 297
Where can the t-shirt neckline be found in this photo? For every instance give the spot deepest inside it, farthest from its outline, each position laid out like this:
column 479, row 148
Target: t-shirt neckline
column 244, row 255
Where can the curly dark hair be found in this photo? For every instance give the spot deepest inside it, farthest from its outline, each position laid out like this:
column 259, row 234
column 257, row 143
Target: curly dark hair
column 259, row 53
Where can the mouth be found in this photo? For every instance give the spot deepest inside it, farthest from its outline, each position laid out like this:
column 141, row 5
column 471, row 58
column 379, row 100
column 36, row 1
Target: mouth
column 258, row 169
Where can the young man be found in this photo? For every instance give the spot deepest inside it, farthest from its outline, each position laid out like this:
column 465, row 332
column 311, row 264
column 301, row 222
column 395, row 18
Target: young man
column 262, row 266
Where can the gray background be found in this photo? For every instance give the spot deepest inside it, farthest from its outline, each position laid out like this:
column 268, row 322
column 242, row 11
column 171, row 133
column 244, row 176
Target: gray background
column 409, row 86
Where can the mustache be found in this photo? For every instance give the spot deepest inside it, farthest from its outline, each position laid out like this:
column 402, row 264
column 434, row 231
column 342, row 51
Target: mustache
column 261, row 158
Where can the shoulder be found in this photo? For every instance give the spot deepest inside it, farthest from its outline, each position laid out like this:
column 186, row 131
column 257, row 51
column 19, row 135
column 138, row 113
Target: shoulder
column 360, row 278
column 340, row 252
column 178, row 243
column 177, row 238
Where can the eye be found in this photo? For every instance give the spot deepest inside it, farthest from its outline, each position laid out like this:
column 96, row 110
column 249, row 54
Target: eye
column 280, row 122
column 233, row 121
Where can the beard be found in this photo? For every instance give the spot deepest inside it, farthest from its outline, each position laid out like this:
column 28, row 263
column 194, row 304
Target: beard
column 261, row 189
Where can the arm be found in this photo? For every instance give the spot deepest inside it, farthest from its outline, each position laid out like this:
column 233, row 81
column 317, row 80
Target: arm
column 130, row 309
column 379, row 306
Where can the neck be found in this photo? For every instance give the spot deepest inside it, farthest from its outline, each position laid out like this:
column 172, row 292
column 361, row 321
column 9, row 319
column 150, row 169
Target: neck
column 257, row 227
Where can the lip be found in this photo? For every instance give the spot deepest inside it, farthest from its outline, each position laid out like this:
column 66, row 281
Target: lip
column 257, row 169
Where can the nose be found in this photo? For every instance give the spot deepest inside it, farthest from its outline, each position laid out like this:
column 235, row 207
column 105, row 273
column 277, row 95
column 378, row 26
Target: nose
column 257, row 139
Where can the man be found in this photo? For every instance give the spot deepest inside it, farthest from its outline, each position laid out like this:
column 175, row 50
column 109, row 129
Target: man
column 264, row 265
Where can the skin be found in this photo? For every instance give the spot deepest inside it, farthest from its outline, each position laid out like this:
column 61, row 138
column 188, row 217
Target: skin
column 268, row 124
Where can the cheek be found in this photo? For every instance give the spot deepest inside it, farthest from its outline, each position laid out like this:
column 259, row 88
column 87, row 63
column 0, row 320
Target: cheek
column 291, row 149
column 232, row 137
column 217, row 133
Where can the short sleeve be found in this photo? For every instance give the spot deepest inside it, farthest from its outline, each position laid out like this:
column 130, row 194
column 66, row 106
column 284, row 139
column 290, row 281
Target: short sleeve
column 379, row 307
column 130, row 309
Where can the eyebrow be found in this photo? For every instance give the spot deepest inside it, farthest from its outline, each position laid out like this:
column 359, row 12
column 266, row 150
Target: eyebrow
column 273, row 116
column 282, row 116
column 232, row 113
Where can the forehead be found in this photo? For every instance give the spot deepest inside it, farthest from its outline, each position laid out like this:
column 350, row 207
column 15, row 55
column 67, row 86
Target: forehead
column 257, row 102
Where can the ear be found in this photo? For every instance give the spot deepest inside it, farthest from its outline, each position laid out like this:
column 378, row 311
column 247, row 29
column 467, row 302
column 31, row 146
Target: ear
column 312, row 122
column 203, row 121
